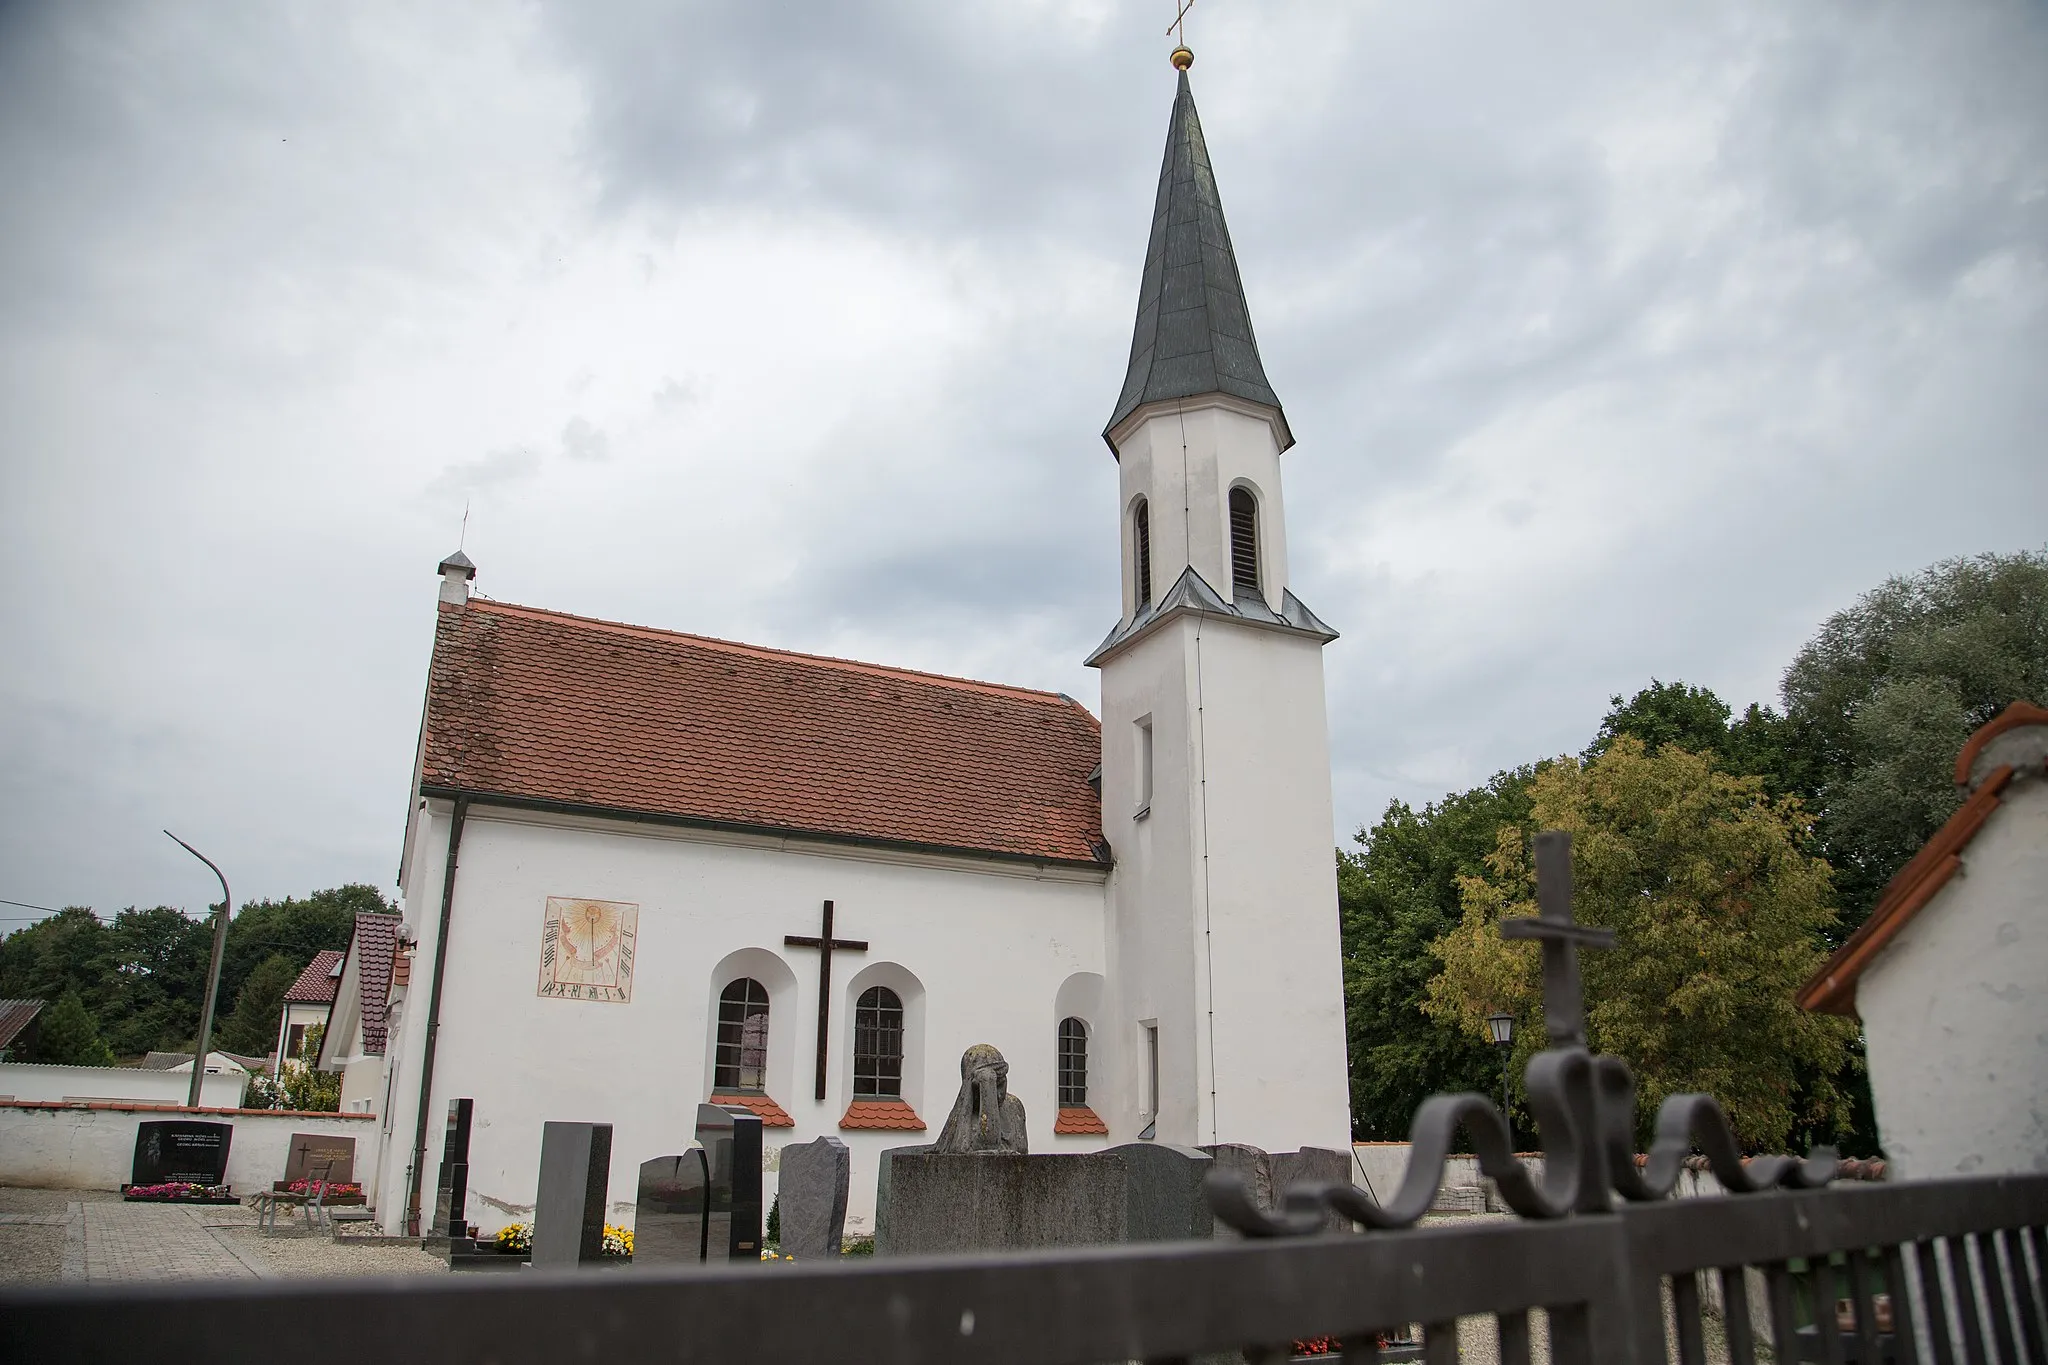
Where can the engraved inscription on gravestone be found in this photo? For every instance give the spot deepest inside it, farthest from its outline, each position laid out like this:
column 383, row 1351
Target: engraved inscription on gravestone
column 181, row 1150
column 310, row 1151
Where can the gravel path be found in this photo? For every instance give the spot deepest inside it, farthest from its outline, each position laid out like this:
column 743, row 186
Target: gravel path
column 152, row 1241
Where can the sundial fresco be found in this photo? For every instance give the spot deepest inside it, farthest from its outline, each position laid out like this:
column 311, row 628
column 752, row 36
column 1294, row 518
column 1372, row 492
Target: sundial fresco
column 586, row 949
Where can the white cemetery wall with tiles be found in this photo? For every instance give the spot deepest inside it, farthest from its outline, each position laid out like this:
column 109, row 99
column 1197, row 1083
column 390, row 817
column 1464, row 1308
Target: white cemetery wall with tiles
column 979, row 950
column 1955, row 1009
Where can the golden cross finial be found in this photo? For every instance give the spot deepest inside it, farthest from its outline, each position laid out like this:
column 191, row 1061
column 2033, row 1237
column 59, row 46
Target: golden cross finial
column 1178, row 28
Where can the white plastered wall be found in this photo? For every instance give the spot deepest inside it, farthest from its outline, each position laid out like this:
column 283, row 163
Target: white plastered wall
column 988, row 943
column 1955, row 1009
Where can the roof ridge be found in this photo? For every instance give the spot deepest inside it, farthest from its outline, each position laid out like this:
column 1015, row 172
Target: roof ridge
column 770, row 652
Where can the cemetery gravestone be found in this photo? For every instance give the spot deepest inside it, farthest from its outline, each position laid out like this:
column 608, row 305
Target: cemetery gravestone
column 1271, row 1173
column 930, row 1201
column 181, row 1150
column 310, row 1151
column 671, row 1220
column 575, row 1174
column 451, row 1191
column 815, row 1176
column 731, row 1139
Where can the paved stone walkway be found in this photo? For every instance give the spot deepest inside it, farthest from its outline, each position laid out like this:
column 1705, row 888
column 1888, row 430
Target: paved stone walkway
column 153, row 1242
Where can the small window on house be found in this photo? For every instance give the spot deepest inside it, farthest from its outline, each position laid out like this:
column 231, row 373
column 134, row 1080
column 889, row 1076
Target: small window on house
column 878, row 1044
column 742, row 1060
column 1073, row 1062
column 1244, row 541
column 296, row 1041
column 1141, row 551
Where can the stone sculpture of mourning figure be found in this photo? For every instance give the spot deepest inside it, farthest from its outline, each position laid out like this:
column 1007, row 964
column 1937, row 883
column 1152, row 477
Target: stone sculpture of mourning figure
column 986, row 1117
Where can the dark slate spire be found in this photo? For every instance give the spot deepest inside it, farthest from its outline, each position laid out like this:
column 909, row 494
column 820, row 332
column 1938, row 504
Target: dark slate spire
column 1194, row 333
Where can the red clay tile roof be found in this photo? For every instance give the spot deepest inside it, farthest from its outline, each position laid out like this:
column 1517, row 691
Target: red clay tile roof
column 542, row 706
column 772, row 1114
column 1832, row 989
column 881, row 1114
column 1079, row 1118
column 375, row 941
column 16, row 1015
column 316, row 985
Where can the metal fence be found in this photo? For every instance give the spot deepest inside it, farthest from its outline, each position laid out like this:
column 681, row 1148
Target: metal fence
column 1828, row 1268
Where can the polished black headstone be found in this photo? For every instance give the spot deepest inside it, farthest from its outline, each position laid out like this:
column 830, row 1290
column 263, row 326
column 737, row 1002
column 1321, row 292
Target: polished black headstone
column 181, row 1150
column 575, row 1174
column 451, row 1191
column 670, row 1223
column 731, row 1139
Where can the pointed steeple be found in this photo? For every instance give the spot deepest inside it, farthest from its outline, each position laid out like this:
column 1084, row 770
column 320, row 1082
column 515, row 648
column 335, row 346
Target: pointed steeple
column 1194, row 332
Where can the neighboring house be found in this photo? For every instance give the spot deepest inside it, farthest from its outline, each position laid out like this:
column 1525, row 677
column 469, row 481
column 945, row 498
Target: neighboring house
column 370, row 981
column 1950, row 973
column 63, row 1083
column 217, row 1063
column 307, row 1003
column 20, row 1024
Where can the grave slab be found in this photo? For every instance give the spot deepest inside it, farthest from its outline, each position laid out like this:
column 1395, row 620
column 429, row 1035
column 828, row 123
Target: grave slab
column 812, row 1191
column 568, row 1214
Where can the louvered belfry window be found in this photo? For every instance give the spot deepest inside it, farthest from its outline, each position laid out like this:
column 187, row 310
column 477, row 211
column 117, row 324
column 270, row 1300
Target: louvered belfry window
column 742, row 1061
column 1141, row 542
column 1073, row 1062
column 878, row 1044
column 1244, row 541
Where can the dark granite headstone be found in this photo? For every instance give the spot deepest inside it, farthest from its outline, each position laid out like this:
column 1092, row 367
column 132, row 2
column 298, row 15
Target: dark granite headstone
column 575, row 1175
column 731, row 1139
column 451, row 1192
column 181, row 1150
column 1271, row 1173
column 931, row 1202
column 670, row 1223
column 812, row 1190
column 310, row 1151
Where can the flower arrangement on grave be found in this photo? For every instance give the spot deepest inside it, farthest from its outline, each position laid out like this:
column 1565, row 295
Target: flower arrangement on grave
column 335, row 1189
column 618, row 1241
column 515, row 1238
column 173, row 1190
column 771, row 1254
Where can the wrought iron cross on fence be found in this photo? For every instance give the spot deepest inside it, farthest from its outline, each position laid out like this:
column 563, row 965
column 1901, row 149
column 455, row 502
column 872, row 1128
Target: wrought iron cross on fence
column 1584, row 1105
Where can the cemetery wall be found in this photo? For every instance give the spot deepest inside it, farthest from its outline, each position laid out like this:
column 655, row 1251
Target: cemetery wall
column 64, row 1082
column 92, row 1147
column 978, row 950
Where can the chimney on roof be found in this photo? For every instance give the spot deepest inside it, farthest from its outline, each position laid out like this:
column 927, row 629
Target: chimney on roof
column 456, row 571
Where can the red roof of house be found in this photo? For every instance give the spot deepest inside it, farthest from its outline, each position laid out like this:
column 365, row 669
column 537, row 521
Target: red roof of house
column 1832, row 989
column 550, row 708
column 316, row 985
column 375, row 944
column 16, row 1015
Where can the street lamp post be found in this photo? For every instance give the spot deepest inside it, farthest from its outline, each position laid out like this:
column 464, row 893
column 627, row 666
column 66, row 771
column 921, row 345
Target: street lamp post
column 1503, row 1028
column 220, row 944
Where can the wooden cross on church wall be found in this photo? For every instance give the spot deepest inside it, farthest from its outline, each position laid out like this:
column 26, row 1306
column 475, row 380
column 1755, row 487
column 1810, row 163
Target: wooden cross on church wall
column 825, row 944
column 1564, row 1003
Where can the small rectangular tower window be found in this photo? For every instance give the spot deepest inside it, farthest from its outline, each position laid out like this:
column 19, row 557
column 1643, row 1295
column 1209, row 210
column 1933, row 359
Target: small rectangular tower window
column 1144, row 737
column 1244, row 541
column 1151, row 1029
column 1141, row 552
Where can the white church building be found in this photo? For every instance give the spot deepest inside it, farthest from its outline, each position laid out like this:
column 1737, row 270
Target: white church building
column 644, row 868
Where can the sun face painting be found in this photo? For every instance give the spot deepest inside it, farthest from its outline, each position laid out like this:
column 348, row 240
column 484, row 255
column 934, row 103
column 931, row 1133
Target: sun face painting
column 586, row 950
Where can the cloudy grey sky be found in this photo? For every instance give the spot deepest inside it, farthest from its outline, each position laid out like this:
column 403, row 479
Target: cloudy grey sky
column 1621, row 340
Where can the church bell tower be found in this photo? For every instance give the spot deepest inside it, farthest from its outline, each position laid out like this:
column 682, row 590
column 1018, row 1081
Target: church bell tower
column 1225, row 1003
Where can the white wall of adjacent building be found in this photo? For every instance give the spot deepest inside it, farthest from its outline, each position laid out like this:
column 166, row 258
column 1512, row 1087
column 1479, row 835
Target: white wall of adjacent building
column 979, row 949
column 1955, row 1009
column 62, row 1082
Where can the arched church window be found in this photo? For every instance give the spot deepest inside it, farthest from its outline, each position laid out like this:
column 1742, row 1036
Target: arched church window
column 742, row 1060
column 878, row 1044
column 1073, row 1062
column 1244, row 540
column 1141, row 551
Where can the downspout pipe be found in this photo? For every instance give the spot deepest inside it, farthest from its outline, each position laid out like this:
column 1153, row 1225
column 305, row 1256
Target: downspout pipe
column 419, row 1141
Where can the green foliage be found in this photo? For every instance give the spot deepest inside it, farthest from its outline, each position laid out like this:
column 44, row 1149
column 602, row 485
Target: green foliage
column 1719, row 916
column 1885, row 694
column 299, row 1084
column 860, row 1244
column 69, row 1035
column 1396, row 896
column 773, row 1234
column 296, row 928
column 252, row 1029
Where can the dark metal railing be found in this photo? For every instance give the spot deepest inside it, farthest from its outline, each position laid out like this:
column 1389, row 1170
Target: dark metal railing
column 1646, row 1283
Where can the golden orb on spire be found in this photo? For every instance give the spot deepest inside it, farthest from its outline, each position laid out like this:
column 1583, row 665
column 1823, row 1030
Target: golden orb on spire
column 1183, row 58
